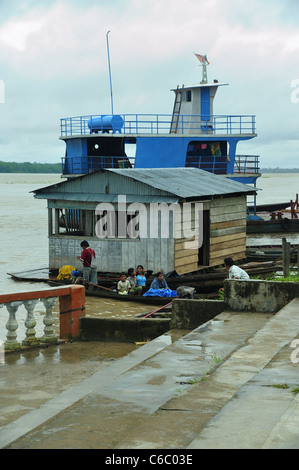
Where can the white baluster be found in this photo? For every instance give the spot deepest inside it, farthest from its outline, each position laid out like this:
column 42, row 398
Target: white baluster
column 30, row 323
column 11, row 326
column 49, row 336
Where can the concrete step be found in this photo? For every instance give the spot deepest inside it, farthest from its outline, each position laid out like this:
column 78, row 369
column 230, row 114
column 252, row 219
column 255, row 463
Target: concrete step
column 178, row 394
column 264, row 412
column 244, row 402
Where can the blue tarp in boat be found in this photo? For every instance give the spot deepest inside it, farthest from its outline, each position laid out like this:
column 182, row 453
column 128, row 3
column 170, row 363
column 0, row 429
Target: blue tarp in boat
column 160, row 293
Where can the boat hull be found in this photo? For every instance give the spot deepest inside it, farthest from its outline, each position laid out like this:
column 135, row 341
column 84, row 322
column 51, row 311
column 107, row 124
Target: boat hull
column 273, row 226
column 107, row 294
column 203, row 282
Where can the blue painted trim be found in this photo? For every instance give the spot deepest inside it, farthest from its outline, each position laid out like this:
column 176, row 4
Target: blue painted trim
column 205, row 104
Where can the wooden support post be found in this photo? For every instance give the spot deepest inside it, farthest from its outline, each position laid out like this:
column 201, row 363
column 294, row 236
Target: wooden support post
column 286, row 250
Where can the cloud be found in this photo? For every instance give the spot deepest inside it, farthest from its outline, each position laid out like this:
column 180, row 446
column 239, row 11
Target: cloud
column 16, row 33
column 54, row 63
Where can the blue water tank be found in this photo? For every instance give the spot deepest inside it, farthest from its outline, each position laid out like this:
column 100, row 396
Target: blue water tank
column 106, row 123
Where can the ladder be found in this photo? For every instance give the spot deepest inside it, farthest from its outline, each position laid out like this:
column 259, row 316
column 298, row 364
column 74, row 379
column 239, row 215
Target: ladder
column 176, row 110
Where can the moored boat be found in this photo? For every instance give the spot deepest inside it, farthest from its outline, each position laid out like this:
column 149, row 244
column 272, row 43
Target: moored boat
column 283, row 225
column 105, row 293
column 205, row 281
column 140, row 165
column 274, row 218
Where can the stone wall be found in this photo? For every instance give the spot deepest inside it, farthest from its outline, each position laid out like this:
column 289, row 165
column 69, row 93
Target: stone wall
column 122, row 329
column 258, row 295
column 188, row 314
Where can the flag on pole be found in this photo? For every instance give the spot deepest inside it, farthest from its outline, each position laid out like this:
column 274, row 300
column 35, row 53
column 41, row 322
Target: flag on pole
column 201, row 58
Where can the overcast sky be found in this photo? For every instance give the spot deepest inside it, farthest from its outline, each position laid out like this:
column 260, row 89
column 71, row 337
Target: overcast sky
column 53, row 64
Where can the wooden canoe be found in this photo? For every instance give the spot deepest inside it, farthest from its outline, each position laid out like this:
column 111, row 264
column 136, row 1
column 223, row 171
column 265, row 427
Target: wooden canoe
column 100, row 292
column 203, row 282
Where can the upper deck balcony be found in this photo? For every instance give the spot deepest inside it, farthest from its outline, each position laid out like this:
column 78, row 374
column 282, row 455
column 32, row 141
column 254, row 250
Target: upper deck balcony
column 244, row 165
column 159, row 124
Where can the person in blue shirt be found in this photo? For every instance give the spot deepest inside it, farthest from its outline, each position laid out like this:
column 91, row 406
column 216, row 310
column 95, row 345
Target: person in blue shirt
column 140, row 277
column 159, row 282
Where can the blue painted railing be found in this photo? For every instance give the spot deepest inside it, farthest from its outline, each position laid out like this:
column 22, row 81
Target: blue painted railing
column 244, row 164
column 162, row 124
column 216, row 165
column 84, row 165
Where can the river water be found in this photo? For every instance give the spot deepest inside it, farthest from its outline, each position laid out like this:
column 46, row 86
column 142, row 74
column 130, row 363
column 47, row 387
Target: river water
column 24, row 240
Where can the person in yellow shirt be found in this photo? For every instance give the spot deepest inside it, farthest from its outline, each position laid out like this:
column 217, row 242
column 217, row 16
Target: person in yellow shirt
column 65, row 272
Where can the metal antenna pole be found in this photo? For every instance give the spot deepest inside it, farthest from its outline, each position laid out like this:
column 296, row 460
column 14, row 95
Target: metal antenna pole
column 109, row 72
column 204, row 70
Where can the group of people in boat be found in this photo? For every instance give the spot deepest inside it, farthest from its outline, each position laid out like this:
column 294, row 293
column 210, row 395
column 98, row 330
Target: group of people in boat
column 134, row 281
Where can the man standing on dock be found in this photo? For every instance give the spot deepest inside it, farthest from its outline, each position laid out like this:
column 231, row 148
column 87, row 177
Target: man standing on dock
column 234, row 272
column 88, row 259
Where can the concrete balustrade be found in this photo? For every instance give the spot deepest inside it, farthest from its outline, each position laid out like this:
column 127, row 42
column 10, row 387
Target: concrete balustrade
column 71, row 308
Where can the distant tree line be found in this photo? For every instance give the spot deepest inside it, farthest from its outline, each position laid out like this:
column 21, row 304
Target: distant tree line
column 279, row 170
column 27, row 167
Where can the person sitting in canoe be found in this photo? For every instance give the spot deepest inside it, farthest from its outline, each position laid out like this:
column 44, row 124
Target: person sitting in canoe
column 159, row 288
column 140, row 277
column 159, row 282
column 134, row 289
column 140, row 270
column 123, row 285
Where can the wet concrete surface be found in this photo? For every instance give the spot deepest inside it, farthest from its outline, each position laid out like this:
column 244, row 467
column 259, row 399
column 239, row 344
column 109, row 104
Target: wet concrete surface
column 31, row 378
column 131, row 388
column 212, row 387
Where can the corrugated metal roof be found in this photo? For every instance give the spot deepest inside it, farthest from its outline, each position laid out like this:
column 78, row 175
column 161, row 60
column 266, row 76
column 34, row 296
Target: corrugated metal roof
column 144, row 185
column 185, row 182
column 113, row 198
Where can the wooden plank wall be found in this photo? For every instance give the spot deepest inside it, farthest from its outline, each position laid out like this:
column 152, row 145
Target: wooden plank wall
column 227, row 229
column 227, row 235
column 185, row 258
